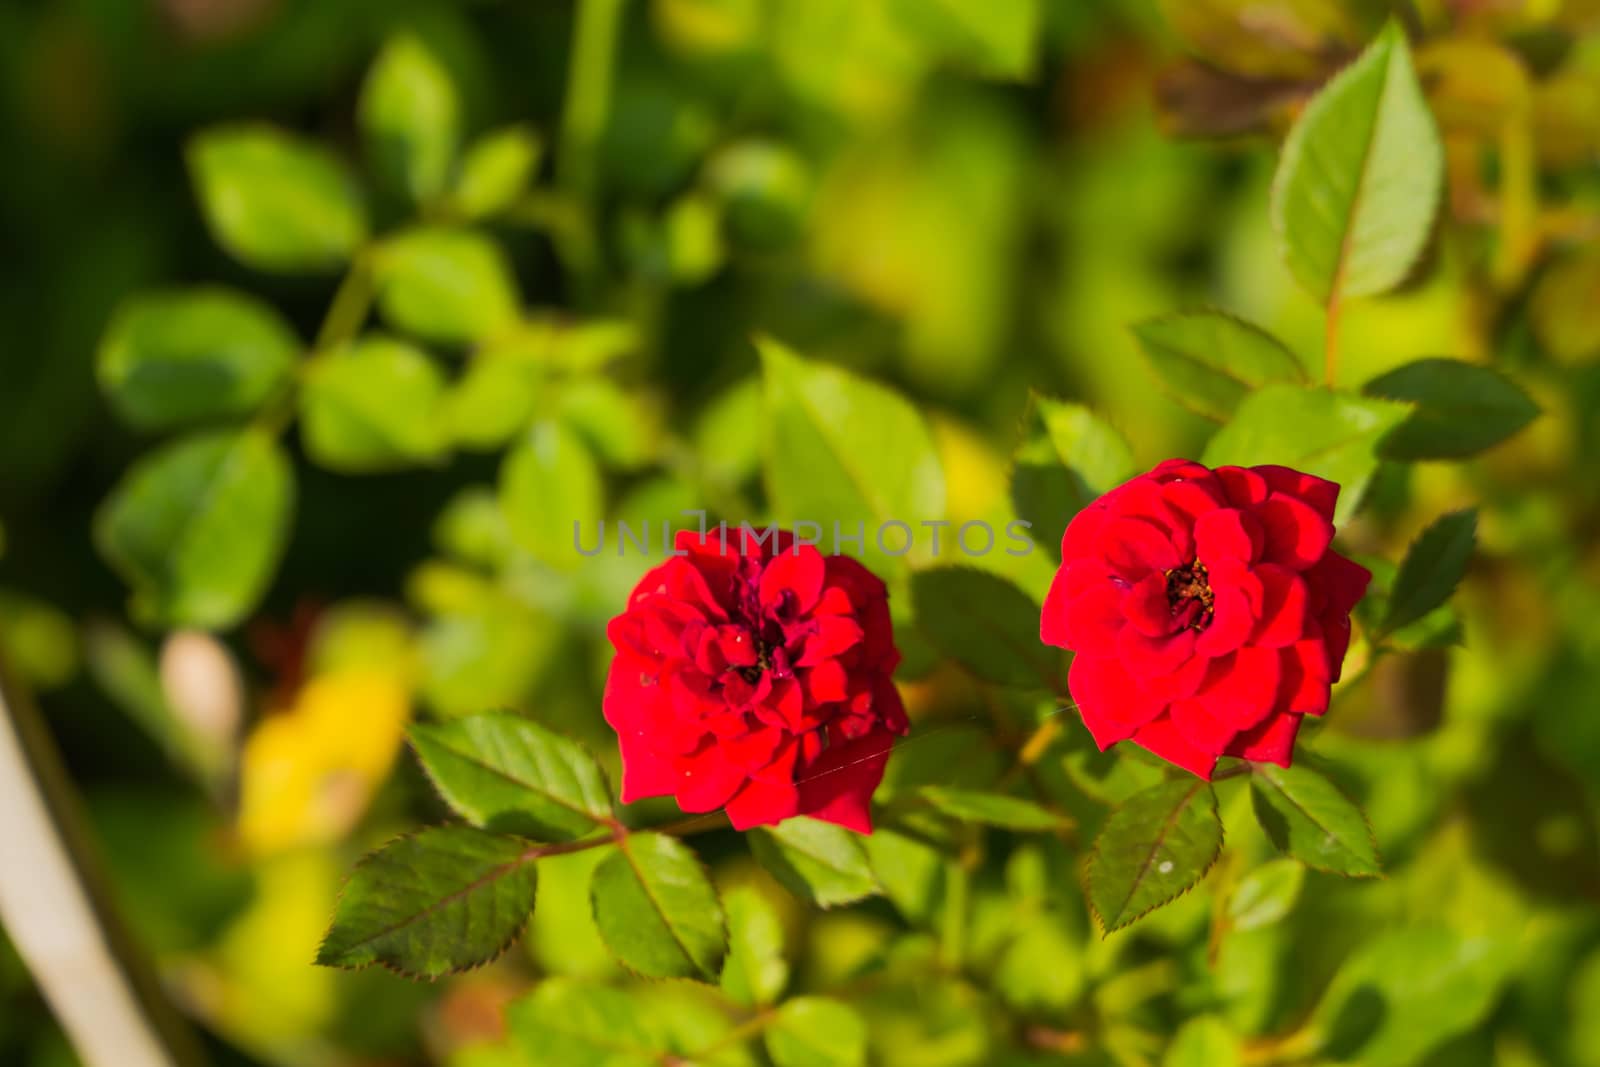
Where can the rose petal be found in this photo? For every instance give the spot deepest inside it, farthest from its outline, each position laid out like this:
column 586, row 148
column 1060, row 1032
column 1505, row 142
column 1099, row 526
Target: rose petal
column 1231, row 623
column 645, row 773
column 1183, row 682
column 1083, row 532
column 1164, row 739
column 1146, row 608
column 1343, row 582
column 1296, row 533
column 1112, row 704
column 1244, row 488
column 1202, row 729
column 1227, row 533
column 707, row 779
column 1320, row 493
column 1093, row 620
column 1303, row 687
column 797, row 574
column 834, row 635
column 1283, row 607
column 837, row 787
column 1241, row 689
column 763, row 802
column 1135, row 547
column 827, row 682
column 1148, row 657
column 1270, row 742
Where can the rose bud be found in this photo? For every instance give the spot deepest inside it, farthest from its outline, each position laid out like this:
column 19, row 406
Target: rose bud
column 1206, row 609
column 755, row 677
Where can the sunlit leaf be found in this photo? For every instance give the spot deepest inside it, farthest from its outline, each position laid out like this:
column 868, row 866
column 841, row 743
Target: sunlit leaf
column 817, row 1032
column 275, row 201
column 1307, row 817
column 410, row 115
column 993, row 809
column 1360, row 177
column 755, row 972
column 816, row 861
column 1332, row 435
column 373, row 405
column 1434, row 565
column 1461, row 408
column 443, row 900
column 911, row 872
column 1562, row 308
column 1154, row 847
column 1209, row 361
column 196, row 527
column 505, row 772
column 657, row 911
column 986, row 624
column 190, row 355
column 1265, row 895
column 1067, row 458
column 1205, row 1041
column 448, row 285
column 582, row 1024
column 548, row 485
column 496, row 170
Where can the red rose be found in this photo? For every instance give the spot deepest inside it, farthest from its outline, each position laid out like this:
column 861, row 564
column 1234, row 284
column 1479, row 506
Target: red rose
column 755, row 677
column 1206, row 609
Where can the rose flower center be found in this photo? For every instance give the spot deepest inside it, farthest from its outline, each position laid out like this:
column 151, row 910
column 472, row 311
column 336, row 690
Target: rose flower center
column 1189, row 595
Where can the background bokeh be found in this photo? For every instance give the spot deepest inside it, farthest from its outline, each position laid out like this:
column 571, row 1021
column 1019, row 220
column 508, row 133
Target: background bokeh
column 967, row 200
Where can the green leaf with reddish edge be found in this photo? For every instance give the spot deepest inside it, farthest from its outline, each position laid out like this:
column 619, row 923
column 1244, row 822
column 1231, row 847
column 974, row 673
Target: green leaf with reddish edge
column 443, row 900
column 994, row 809
column 656, row 910
column 1318, row 431
column 1307, row 817
column 1360, row 176
column 503, row 772
column 817, row 1032
column 1209, row 361
column 1434, row 565
column 580, row 1024
column 755, row 971
column 986, row 624
column 1153, row 848
column 815, row 860
column 1461, row 408
column 1067, row 458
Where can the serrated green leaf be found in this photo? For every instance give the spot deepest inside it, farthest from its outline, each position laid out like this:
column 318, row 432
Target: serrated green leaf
column 581, row 1024
column 189, row 355
column 911, row 872
column 1406, row 991
column 443, row 900
column 1433, row 567
column 507, row 773
column 197, row 527
column 1155, row 846
column 1265, row 895
column 986, row 624
column 1332, row 435
column 1067, row 458
column 410, row 116
column 496, row 170
column 548, row 484
column 275, row 201
column 1461, row 408
column 817, row 1032
column 655, row 908
column 1359, row 180
column 374, row 405
column 1307, row 817
column 1209, row 361
column 815, row 860
column 448, row 285
column 842, row 448
column 1205, row 1041
column 993, row 809
column 755, row 972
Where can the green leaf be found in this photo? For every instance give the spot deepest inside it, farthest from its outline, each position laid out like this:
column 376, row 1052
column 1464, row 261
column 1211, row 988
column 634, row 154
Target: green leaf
column 493, row 401
column 655, row 908
column 1404, row 992
column 410, row 116
column 727, row 435
column 1433, row 567
column 206, row 353
column 1461, row 409
column 845, row 449
column 1561, row 307
column 504, row 772
column 1265, row 895
column 1204, row 1041
column 911, row 872
column 1209, row 360
column 1068, row 457
column 993, row 809
column 496, row 170
column 443, row 900
column 196, row 527
column 548, row 483
column 1153, row 848
column 275, row 201
column 817, row 1032
column 815, row 860
column 986, row 624
column 1307, row 817
column 447, row 285
column 1359, row 180
column 755, row 971
column 580, row 1024
column 372, row 406
column 1332, row 435
column 622, row 427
